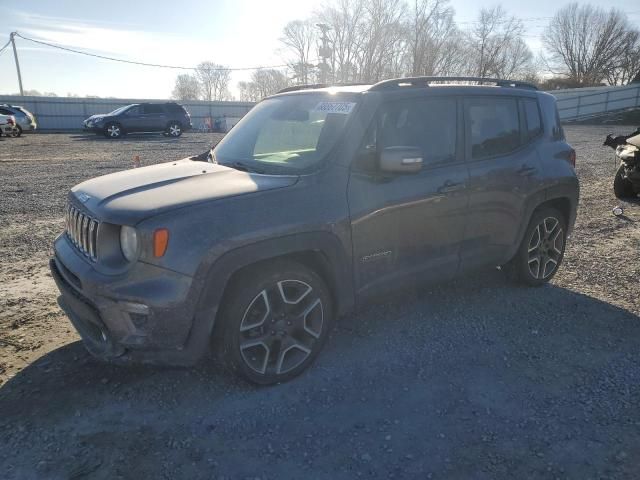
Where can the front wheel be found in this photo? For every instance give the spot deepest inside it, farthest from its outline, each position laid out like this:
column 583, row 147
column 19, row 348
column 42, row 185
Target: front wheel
column 622, row 186
column 542, row 249
column 113, row 130
column 275, row 321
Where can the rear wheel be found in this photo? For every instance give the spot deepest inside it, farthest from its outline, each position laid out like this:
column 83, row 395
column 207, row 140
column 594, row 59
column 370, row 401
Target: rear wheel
column 174, row 129
column 542, row 249
column 622, row 186
column 19, row 130
column 274, row 322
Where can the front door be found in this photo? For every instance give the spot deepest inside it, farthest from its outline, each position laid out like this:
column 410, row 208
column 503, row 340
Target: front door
column 408, row 227
column 133, row 119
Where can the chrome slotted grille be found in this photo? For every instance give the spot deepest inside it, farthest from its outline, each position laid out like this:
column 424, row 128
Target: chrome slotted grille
column 82, row 230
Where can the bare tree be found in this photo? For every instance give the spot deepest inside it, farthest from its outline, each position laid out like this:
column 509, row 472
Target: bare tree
column 262, row 84
column 186, row 88
column 586, row 43
column 430, row 31
column 495, row 45
column 382, row 43
column 344, row 18
column 214, row 81
column 299, row 38
column 627, row 67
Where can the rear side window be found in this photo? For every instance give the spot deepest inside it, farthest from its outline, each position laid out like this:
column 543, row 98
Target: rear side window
column 429, row 124
column 493, row 126
column 532, row 115
column 174, row 108
column 153, row 109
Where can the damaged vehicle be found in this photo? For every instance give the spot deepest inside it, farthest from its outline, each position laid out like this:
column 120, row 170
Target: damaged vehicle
column 626, row 183
column 319, row 199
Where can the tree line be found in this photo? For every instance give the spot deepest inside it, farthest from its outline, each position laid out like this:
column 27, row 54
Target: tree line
column 365, row 41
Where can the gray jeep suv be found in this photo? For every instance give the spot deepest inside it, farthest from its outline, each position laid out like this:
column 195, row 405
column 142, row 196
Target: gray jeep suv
column 317, row 200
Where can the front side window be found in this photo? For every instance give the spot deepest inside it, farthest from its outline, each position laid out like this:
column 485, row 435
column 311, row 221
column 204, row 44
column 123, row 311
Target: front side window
column 493, row 126
column 135, row 110
column 288, row 134
column 428, row 124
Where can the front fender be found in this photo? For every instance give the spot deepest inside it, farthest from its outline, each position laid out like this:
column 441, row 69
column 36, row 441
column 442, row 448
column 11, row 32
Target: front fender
column 212, row 279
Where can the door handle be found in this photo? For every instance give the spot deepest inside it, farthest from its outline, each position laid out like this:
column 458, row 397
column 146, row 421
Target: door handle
column 450, row 186
column 526, row 170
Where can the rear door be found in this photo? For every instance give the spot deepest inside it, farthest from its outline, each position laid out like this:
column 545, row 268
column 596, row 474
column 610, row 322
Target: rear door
column 154, row 118
column 408, row 227
column 504, row 171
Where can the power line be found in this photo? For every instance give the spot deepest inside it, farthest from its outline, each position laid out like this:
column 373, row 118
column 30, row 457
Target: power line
column 104, row 57
column 5, row 47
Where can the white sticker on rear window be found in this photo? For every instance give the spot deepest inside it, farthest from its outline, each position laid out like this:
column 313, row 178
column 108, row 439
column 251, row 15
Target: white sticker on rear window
column 335, row 107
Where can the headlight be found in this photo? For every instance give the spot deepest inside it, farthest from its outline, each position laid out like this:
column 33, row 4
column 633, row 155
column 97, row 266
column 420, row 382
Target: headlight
column 129, row 242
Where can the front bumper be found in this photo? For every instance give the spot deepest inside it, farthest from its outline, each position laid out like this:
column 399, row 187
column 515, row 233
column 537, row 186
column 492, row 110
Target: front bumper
column 145, row 315
column 92, row 128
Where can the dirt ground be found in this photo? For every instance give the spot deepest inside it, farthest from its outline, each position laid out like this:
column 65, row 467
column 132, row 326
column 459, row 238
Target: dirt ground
column 473, row 379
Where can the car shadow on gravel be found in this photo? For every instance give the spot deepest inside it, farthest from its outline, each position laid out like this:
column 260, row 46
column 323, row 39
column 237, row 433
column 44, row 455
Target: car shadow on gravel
column 477, row 378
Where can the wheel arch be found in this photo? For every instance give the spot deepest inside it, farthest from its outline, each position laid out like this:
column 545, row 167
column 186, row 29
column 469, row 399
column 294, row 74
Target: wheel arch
column 562, row 204
column 322, row 252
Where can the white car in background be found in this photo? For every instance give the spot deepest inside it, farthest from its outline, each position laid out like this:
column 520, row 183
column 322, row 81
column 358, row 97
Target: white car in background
column 25, row 121
column 8, row 126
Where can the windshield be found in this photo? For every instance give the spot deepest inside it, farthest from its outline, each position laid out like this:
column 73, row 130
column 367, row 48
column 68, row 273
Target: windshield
column 288, row 134
column 117, row 111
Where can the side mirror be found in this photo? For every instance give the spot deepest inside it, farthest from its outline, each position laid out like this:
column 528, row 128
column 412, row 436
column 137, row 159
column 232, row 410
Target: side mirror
column 401, row 159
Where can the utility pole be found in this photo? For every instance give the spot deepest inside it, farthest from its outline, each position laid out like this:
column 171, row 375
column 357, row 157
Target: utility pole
column 324, row 52
column 15, row 55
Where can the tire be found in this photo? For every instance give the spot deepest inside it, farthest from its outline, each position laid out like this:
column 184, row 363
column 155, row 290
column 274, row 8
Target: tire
column 174, row 129
column 622, row 187
column 542, row 249
column 19, row 130
column 113, row 130
column 274, row 322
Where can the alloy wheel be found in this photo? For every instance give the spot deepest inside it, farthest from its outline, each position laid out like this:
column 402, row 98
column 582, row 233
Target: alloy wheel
column 113, row 131
column 175, row 130
column 280, row 327
column 545, row 248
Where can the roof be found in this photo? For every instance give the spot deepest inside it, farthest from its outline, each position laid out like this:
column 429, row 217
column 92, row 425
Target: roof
column 415, row 82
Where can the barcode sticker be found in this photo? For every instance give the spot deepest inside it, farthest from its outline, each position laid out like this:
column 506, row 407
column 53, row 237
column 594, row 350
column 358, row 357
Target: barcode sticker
column 335, row 107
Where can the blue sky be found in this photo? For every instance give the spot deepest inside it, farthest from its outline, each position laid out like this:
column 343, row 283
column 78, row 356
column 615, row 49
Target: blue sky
column 236, row 33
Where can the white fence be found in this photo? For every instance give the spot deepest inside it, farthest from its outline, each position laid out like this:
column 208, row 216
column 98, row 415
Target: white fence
column 582, row 103
column 68, row 113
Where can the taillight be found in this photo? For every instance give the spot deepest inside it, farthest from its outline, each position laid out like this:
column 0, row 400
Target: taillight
column 10, row 121
column 572, row 158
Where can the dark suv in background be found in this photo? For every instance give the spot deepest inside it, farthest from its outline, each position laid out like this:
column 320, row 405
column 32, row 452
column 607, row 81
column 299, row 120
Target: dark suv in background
column 318, row 199
column 169, row 118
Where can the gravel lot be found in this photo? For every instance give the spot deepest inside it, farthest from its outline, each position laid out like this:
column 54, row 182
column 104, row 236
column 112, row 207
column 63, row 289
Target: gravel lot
column 473, row 379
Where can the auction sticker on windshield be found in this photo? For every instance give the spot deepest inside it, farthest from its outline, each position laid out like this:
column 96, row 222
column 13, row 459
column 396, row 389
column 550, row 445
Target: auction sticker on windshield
column 335, row 107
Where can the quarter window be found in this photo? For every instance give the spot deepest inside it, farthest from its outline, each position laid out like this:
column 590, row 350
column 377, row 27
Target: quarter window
column 493, row 126
column 532, row 114
column 429, row 124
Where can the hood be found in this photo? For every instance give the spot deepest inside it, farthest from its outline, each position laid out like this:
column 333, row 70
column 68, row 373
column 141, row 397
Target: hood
column 96, row 117
column 131, row 196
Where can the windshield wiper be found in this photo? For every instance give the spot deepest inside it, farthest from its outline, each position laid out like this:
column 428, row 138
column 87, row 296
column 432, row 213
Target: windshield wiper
column 243, row 167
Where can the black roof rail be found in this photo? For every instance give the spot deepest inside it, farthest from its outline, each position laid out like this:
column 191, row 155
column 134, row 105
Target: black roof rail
column 295, row 88
column 320, row 85
column 425, row 81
